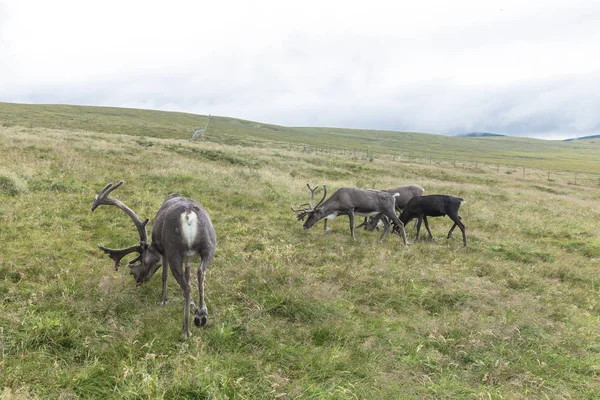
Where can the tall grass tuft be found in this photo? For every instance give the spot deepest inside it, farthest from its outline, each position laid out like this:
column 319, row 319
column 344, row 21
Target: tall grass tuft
column 11, row 184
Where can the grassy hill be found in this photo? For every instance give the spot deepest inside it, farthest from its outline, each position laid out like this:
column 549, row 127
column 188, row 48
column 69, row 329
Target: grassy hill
column 577, row 156
column 292, row 313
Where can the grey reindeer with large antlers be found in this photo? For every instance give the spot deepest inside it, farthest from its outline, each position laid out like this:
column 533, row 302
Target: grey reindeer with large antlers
column 181, row 232
column 350, row 201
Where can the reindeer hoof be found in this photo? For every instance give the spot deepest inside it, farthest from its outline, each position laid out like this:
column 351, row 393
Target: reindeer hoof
column 163, row 303
column 200, row 317
column 200, row 321
column 186, row 335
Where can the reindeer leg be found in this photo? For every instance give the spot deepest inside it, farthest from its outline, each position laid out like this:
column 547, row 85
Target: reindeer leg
column 419, row 221
column 188, row 269
column 453, row 226
column 400, row 226
column 462, row 228
column 325, row 226
column 386, row 229
column 451, row 230
column 427, row 227
column 351, row 216
column 165, row 275
column 176, row 265
column 458, row 222
column 202, row 312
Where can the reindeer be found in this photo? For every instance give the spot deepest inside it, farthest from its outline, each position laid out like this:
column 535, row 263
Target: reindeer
column 182, row 231
column 434, row 205
column 404, row 194
column 350, row 201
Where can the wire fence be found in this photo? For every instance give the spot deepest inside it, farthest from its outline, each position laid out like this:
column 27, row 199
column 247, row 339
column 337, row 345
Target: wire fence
column 516, row 171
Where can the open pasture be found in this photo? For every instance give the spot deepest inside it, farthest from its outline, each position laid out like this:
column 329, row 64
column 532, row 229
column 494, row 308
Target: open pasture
column 292, row 313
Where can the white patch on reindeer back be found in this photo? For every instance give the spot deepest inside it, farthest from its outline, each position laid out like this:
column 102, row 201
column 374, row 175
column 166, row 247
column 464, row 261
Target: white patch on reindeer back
column 189, row 229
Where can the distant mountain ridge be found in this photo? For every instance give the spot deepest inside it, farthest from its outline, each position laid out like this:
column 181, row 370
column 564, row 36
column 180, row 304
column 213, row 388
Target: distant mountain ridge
column 582, row 138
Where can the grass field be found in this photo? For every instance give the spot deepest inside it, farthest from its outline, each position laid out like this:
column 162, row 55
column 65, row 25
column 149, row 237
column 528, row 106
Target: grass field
column 292, row 313
column 577, row 156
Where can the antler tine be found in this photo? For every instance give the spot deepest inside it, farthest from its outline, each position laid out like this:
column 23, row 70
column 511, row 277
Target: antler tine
column 301, row 212
column 117, row 255
column 103, row 199
column 324, row 194
column 312, row 192
column 103, row 194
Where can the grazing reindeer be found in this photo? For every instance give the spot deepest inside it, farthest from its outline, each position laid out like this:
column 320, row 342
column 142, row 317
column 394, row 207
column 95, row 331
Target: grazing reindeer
column 435, row 205
column 405, row 193
column 182, row 231
column 351, row 201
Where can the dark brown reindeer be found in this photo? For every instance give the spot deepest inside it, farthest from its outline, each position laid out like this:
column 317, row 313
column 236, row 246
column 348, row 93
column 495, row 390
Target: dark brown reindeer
column 181, row 232
column 434, row 205
column 350, row 201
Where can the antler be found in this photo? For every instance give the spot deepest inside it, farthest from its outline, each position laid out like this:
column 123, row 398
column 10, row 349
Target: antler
column 323, row 198
column 117, row 254
column 312, row 195
column 302, row 213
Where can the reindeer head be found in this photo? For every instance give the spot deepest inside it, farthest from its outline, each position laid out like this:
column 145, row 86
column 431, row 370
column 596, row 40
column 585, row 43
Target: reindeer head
column 148, row 260
column 373, row 223
column 144, row 270
column 314, row 213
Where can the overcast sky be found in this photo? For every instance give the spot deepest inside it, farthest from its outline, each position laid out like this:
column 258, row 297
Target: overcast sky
column 526, row 68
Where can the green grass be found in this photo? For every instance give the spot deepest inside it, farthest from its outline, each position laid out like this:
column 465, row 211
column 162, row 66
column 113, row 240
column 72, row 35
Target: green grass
column 292, row 313
column 510, row 154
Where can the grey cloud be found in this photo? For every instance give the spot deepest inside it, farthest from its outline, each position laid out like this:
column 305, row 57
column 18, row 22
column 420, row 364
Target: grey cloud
column 303, row 84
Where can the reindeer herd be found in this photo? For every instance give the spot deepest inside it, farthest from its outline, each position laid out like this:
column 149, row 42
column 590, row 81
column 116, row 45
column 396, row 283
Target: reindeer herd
column 182, row 231
column 381, row 206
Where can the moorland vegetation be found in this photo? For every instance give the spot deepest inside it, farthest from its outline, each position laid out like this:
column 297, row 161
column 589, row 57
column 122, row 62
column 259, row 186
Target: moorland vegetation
column 293, row 313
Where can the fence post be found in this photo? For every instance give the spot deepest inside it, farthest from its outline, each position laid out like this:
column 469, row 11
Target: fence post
column 523, row 172
column 498, row 170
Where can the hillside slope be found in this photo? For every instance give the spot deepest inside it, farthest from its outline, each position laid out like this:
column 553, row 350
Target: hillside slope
column 576, row 156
